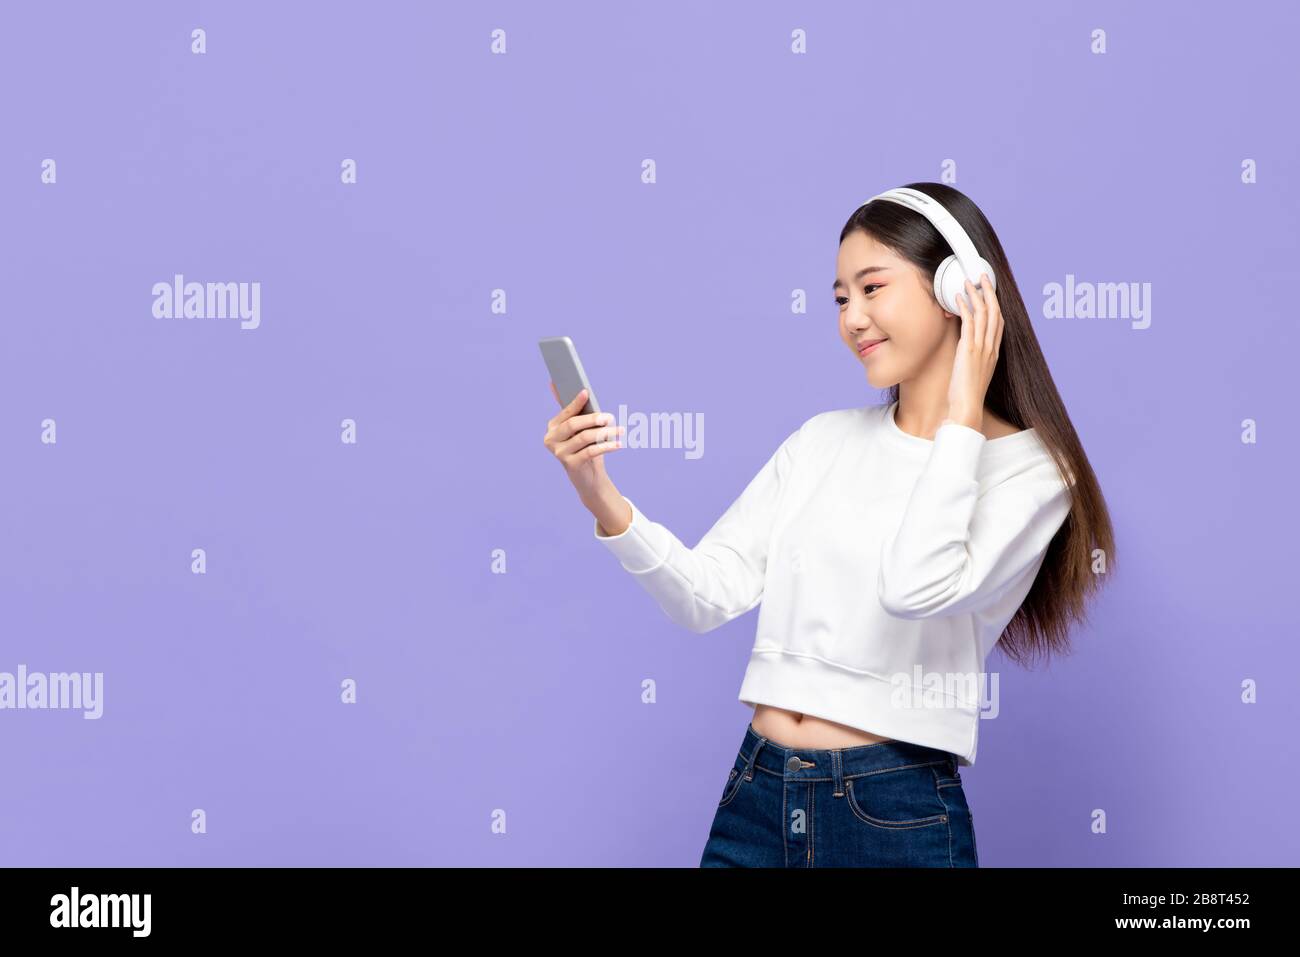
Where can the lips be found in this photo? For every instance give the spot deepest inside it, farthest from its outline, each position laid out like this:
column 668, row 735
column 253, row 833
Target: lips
column 866, row 345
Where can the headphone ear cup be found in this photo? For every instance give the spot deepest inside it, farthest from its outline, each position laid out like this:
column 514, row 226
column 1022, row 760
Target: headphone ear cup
column 949, row 280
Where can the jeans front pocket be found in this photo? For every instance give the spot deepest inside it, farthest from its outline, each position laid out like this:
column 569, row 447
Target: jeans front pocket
column 735, row 779
column 903, row 797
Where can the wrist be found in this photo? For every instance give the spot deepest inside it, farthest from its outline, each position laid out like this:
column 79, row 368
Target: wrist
column 613, row 515
column 602, row 498
column 970, row 419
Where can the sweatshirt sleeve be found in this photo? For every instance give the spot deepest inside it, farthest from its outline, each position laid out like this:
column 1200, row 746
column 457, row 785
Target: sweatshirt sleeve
column 720, row 578
column 956, row 551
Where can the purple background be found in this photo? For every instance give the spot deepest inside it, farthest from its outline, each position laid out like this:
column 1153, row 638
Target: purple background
column 521, row 691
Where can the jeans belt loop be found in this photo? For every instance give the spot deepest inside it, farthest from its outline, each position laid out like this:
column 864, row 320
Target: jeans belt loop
column 749, row 767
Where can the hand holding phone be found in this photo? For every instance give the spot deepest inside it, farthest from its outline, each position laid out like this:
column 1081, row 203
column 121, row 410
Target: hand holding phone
column 578, row 438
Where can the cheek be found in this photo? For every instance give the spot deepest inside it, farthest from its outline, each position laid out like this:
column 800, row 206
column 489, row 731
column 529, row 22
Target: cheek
column 924, row 330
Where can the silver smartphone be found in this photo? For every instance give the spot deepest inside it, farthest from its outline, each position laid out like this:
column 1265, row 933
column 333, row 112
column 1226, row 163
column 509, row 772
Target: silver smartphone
column 566, row 371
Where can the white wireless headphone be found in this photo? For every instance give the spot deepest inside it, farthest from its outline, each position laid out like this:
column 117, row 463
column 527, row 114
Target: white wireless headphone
column 950, row 277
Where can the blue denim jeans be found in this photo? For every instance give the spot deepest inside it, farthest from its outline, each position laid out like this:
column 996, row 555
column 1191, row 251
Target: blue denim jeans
column 891, row 804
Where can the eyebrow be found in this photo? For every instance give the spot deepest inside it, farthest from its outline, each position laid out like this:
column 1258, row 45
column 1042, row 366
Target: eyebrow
column 859, row 274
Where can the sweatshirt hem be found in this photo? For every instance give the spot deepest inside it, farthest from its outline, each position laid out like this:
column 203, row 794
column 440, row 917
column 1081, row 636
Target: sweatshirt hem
column 859, row 699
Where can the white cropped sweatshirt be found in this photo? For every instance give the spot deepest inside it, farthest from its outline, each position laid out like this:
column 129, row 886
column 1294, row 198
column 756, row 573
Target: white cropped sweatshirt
column 887, row 566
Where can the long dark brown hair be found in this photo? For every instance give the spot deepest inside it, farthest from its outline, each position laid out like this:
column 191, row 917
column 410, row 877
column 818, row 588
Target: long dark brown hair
column 1021, row 392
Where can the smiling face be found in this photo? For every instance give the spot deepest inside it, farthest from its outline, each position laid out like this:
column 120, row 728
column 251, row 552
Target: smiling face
column 883, row 296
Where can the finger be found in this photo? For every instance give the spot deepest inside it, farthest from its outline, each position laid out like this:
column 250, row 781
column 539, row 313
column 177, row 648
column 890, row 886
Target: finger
column 600, row 448
column 976, row 298
column 987, row 294
column 556, row 392
column 994, row 314
column 963, row 311
column 578, row 424
column 589, row 437
column 593, row 425
column 578, row 401
column 975, row 305
column 569, row 410
column 981, row 316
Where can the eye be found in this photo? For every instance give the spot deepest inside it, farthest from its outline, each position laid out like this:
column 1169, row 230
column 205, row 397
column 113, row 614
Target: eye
column 841, row 300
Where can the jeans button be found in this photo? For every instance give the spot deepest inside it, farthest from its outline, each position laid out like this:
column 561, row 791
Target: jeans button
column 792, row 764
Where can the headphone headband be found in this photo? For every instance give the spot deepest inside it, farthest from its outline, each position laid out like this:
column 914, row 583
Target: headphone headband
column 964, row 264
column 944, row 221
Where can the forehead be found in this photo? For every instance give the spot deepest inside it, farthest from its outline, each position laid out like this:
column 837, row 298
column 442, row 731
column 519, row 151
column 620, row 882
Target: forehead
column 860, row 250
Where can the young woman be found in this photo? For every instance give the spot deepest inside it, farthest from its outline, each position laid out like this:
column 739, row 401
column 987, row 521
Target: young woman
column 891, row 546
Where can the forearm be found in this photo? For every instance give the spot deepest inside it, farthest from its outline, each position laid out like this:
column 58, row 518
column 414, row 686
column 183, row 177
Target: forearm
column 720, row 578
column 613, row 515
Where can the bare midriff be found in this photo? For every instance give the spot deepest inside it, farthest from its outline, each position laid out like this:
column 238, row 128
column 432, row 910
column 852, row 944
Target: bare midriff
column 791, row 729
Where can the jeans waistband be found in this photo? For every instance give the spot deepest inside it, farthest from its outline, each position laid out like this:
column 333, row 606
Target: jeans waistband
column 811, row 764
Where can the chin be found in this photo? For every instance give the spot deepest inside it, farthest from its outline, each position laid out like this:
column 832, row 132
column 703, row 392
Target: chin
column 878, row 381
